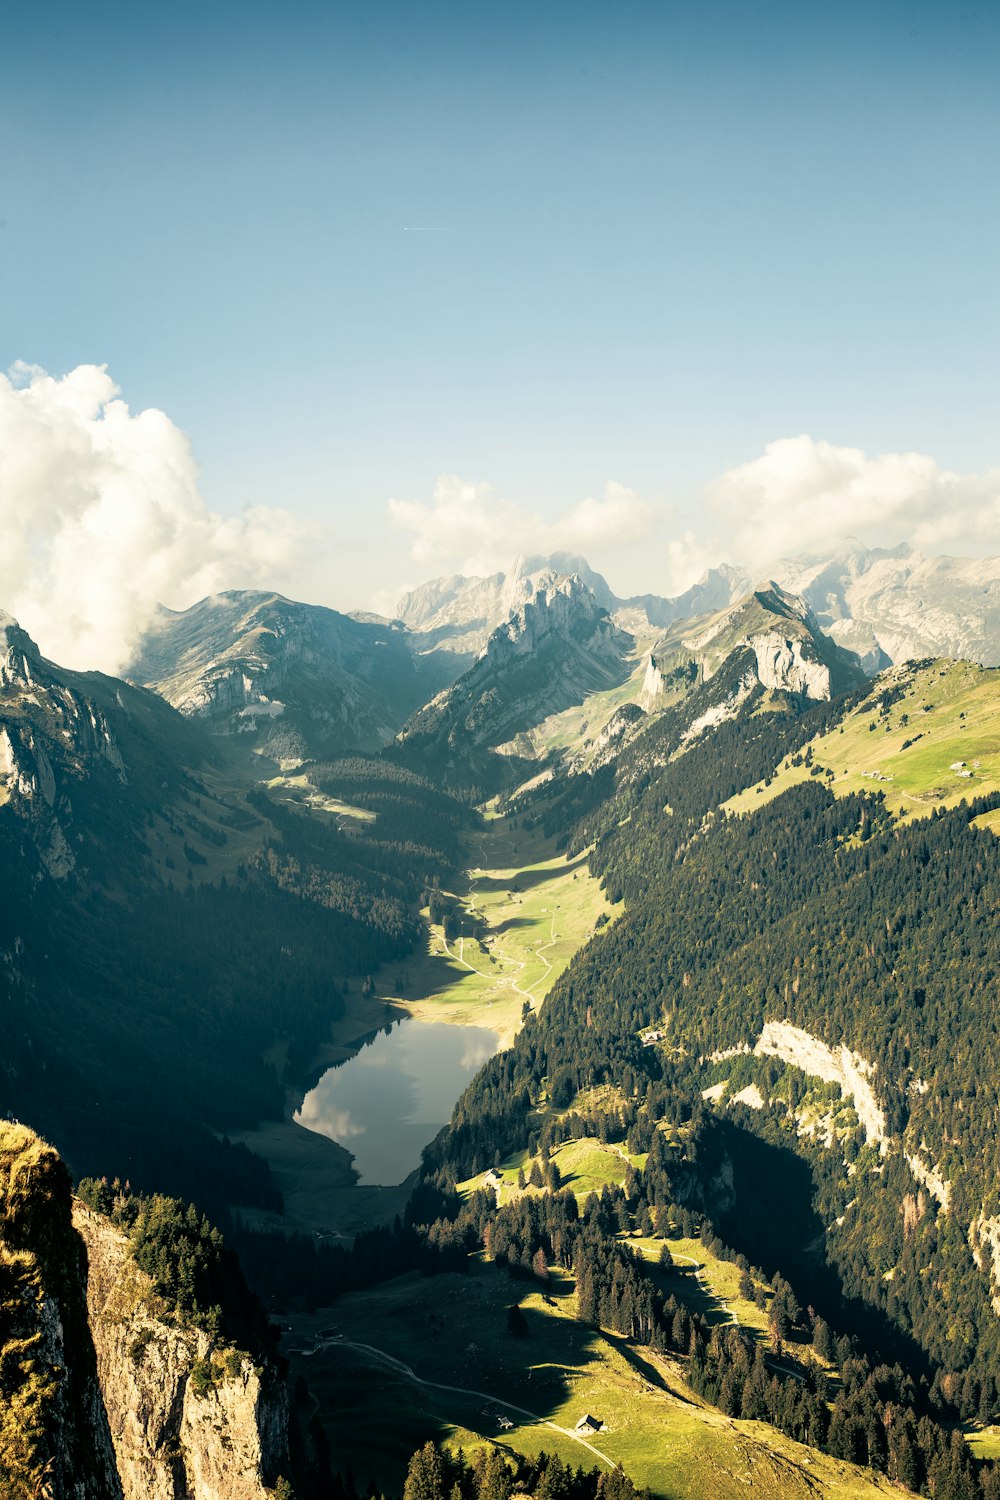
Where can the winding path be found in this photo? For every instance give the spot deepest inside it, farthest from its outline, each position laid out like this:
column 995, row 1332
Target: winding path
column 459, row 957
column 699, row 1272
column 399, row 1368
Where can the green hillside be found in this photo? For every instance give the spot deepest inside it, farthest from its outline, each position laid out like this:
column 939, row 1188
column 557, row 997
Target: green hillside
column 926, row 735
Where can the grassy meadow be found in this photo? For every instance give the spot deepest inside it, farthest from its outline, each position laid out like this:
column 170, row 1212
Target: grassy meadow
column 943, row 723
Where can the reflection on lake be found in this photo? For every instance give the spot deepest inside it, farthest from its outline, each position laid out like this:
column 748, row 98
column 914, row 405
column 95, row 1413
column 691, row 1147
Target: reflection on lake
column 389, row 1101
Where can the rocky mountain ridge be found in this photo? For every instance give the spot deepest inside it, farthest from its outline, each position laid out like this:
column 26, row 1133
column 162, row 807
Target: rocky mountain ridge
column 557, row 648
column 885, row 604
column 294, row 681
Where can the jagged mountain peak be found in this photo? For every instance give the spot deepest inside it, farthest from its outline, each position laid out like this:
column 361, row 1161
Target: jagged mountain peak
column 293, row 680
column 772, row 636
column 559, row 646
column 459, row 614
column 18, row 652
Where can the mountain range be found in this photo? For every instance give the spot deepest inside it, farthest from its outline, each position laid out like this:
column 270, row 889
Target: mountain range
column 739, row 1168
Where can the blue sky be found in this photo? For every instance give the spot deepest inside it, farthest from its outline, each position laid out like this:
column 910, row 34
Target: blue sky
column 663, row 236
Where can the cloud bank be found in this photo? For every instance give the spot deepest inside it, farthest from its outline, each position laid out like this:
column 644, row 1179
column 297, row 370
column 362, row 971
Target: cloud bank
column 469, row 526
column 803, row 496
column 101, row 518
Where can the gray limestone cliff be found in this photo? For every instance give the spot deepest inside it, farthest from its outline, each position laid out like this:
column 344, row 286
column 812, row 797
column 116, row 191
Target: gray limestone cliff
column 186, row 1419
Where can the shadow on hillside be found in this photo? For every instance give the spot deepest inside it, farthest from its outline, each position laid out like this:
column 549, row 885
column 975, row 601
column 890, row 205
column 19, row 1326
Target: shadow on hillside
column 682, row 1282
column 526, row 880
column 473, row 1373
column 644, row 1366
column 774, row 1223
column 509, row 924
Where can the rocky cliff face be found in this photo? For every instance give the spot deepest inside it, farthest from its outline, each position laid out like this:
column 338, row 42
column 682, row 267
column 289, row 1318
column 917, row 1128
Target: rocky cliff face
column 777, row 639
column 458, row 614
column 184, row 1420
column 103, row 1397
column 555, row 650
column 54, row 1438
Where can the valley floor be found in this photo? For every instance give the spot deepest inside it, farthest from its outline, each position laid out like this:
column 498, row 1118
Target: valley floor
column 418, row 1357
column 533, row 909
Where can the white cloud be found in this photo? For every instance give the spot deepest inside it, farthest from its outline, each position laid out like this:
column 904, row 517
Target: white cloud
column 470, row 527
column 101, row 519
column 807, row 496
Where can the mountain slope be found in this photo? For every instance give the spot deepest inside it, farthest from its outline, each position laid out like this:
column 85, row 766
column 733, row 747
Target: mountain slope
column 85, row 760
column 559, row 647
column 926, row 736
column 171, row 934
column 904, row 604
column 293, row 681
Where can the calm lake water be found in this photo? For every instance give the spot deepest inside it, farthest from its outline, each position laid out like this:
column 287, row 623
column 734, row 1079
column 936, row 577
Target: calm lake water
column 389, row 1101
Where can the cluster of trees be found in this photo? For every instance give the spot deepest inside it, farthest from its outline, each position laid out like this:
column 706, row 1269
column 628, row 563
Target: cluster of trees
column 434, row 1474
column 834, row 1398
column 199, row 1279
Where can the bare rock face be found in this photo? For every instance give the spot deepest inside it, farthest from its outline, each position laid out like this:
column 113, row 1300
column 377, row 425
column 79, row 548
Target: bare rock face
column 782, row 666
column 555, row 649
column 185, row 1421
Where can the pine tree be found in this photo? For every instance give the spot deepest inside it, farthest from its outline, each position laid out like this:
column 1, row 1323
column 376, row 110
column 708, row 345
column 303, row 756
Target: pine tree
column 425, row 1475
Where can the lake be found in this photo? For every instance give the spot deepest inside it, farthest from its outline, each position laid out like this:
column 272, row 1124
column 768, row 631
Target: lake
column 389, row 1101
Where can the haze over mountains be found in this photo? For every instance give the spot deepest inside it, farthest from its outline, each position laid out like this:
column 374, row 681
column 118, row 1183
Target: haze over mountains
column 299, row 681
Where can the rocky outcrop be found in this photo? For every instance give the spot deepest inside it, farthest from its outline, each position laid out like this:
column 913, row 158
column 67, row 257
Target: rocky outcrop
column 555, row 650
column 984, row 1242
column 839, row 1065
column 186, row 1419
column 783, row 666
column 652, row 683
column 54, row 1438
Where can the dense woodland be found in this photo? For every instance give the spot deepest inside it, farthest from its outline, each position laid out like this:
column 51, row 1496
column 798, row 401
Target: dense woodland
column 816, row 910
column 140, row 1015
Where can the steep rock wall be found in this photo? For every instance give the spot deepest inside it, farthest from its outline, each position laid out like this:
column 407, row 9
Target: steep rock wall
column 186, row 1421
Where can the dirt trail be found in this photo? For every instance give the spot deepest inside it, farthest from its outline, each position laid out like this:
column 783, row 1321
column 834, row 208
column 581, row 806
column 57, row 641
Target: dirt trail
column 397, row 1365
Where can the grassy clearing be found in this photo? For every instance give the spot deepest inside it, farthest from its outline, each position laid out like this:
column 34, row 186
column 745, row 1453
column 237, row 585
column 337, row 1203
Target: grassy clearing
column 585, row 1165
column 984, row 1441
column 949, row 712
column 452, row 1330
column 298, row 792
column 535, row 908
